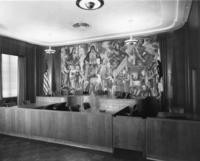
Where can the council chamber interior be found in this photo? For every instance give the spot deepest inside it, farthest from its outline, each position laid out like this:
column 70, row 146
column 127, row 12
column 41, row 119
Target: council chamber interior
column 102, row 75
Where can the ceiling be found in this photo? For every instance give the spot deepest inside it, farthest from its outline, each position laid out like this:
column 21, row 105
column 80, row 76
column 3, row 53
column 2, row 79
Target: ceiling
column 50, row 23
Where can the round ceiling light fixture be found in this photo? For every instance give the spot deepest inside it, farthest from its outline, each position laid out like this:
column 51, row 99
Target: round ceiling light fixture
column 81, row 24
column 89, row 4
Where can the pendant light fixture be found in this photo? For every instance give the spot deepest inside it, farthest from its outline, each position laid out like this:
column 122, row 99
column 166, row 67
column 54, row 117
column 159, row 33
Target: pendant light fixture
column 131, row 40
column 50, row 50
column 89, row 4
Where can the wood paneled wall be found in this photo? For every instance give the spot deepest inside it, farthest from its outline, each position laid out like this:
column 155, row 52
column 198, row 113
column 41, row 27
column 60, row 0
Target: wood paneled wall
column 31, row 74
column 174, row 69
column 81, row 129
column 172, row 140
column 28, row 51
column 181, row 64
column 193, row 49
column 129, row 133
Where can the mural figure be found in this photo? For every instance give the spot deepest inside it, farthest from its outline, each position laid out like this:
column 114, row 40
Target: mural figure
column 64, row 68
column 82, row 56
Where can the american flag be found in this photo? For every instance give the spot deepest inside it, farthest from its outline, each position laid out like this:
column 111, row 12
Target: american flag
column 46, row 86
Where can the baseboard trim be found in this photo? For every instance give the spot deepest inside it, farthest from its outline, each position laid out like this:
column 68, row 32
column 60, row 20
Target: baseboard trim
column 62, row 142
column 151, row 158
column 155, row 158
column 134, row 148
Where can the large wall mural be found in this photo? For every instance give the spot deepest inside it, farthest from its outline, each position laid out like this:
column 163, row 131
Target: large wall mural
column 112, row 67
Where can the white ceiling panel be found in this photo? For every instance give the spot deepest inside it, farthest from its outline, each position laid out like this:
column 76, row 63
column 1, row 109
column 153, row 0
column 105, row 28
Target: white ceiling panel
column 51, row 22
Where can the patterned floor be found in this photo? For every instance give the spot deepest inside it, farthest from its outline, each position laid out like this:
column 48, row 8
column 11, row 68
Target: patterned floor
column 19, row 149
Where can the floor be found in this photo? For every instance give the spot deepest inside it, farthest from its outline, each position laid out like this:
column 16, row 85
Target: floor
column 19, row 149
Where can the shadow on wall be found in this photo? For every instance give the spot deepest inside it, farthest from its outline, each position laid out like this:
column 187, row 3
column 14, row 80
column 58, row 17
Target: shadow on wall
column 148, row 107
column 8, row 102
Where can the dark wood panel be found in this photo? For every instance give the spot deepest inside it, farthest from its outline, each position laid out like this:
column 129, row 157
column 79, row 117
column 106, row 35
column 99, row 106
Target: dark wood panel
column 180, row 52
column 31, row 74
column 2, row 119
column 173, row 140
column 194, row 90
column 129, row 133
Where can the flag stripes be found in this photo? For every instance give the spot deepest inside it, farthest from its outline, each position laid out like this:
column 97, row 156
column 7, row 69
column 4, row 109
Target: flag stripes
column 46, row 86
